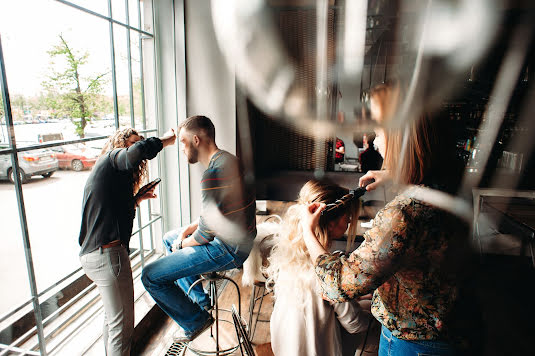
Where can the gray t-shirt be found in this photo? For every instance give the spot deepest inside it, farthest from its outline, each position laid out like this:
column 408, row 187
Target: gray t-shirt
column 228, row 204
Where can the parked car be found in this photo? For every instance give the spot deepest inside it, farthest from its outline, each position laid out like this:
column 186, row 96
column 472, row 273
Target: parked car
column 75, row 157
column 32, row 163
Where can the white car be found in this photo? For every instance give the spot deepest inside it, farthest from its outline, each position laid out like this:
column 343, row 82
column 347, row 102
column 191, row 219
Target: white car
column 41, row 162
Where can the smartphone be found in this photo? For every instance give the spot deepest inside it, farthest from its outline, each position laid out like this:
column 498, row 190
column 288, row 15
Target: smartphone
column 148, row 187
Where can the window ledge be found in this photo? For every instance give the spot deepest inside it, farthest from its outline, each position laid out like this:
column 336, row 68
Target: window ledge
column 83, row 336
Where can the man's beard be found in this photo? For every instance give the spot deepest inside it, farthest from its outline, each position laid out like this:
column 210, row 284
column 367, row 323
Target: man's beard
column 193, row 156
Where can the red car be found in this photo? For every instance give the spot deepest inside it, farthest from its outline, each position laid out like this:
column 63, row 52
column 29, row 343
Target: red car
column 75, row 157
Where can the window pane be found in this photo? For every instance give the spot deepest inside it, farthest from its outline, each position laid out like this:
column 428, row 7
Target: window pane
column 53, row 199
column 136, row 79
column 13, row 272
column 3, row 131
column 98, row 6
column 121, row 70
column 118, row 10
column 133, row 13
column 149, row 83
column 47, row 102
column 146, row 15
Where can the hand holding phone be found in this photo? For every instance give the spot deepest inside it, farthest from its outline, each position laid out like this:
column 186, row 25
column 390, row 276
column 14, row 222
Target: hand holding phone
column 148, row 187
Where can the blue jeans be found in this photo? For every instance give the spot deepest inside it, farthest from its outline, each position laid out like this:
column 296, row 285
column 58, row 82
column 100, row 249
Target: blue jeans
column 389, row 345
column 168, row 279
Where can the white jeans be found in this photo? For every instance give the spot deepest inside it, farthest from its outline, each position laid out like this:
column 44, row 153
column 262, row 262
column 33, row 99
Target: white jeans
column 110, row 270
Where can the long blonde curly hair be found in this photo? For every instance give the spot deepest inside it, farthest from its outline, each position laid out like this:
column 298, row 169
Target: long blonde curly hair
column 290, row 265
column 119, row 140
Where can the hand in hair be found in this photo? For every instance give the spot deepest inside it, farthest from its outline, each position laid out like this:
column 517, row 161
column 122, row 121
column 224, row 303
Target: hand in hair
column 309, row 222
column 374, row 179
column 312, row 215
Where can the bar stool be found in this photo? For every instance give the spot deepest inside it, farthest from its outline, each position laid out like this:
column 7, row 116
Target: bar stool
column 257, row 294
column 253, row 274
column 212, row 278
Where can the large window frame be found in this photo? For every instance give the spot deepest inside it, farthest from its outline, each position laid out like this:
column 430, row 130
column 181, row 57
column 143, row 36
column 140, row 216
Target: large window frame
column 140, row 255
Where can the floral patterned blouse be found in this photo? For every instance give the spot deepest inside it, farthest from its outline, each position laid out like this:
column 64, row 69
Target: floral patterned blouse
column 409, row 257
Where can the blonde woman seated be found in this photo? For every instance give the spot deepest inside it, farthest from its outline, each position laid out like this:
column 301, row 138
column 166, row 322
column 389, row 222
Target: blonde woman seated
column 302, row 322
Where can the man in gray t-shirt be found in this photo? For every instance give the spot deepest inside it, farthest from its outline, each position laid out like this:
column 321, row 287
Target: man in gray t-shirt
column 220, row 239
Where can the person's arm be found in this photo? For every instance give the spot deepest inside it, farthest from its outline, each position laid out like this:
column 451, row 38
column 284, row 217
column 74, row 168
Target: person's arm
column 352, row 316
column 371, row 264
column 186, row 233
column 309, row 223
column 128, row 158
column 374, row 179
column 190, row 241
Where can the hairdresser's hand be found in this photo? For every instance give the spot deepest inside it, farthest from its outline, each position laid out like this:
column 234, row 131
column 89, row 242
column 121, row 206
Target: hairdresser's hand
column 312, row 215
column 309, row 222
column 148, row 195
column 374, row 179
column 168, row 138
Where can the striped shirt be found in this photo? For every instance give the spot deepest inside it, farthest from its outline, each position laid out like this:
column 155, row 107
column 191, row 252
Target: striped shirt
column 228, row 204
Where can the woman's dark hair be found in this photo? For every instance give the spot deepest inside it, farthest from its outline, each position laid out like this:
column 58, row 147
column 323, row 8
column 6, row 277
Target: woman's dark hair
column 119, row 140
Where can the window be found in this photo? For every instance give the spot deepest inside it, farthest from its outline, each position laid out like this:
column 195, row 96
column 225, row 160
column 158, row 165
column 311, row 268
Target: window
column 74, row 73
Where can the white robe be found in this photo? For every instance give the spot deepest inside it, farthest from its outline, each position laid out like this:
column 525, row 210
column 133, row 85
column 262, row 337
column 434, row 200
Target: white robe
column 311, row 327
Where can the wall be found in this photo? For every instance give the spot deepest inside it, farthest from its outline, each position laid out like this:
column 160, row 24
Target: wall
column 210, row 86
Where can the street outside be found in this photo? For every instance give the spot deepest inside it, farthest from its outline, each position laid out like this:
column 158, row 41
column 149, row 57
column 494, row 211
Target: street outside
column 53, row 210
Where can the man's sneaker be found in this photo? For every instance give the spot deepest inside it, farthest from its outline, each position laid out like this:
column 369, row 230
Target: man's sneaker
column 182, row 336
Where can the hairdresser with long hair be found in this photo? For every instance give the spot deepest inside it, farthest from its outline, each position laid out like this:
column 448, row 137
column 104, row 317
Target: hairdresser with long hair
column 108, row 211
column 412, row 257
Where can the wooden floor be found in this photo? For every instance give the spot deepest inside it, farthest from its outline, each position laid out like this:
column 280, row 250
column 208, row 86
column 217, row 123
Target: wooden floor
column 161, row 340
column 504, row 295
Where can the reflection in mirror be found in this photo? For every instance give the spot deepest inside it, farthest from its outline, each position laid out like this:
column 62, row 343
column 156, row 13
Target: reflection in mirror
column 363, row 45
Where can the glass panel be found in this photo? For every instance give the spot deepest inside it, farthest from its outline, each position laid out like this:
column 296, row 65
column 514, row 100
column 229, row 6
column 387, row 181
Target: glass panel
column 98, row 6
column 3, row 131
column 146, row 15
column 55, row 250
column 149, row 84
column 13, row 271
column 42, row 85
column 136, row 79
column 133, row 13
column 121, row 70
column 118, row 10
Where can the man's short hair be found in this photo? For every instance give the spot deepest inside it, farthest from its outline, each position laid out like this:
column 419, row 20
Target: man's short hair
column 198, row 125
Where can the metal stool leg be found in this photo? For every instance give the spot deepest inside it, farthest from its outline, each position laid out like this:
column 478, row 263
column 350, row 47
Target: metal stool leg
column 252, row 302
column 212, row 278
column 257, row 294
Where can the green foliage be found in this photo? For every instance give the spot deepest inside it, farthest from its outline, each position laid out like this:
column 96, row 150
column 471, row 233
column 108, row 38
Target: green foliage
column 69, row 93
